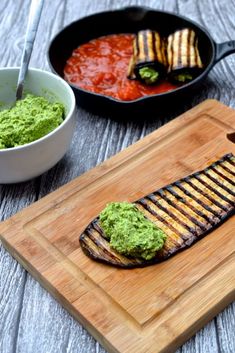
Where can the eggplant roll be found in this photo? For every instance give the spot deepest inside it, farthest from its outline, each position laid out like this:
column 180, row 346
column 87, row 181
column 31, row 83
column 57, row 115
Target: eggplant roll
column 148, row 62
column 185, row 210
column 184, row 62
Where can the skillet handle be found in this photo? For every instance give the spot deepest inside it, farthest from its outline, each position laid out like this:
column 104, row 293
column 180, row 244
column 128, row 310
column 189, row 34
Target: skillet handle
column 224, row 49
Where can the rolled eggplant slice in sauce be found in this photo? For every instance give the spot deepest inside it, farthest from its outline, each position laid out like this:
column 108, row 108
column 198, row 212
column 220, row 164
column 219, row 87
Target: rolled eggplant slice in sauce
column 148, row 62
column 184, row 61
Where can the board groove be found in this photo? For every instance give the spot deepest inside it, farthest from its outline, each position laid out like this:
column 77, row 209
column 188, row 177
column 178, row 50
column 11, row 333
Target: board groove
column 154, row 309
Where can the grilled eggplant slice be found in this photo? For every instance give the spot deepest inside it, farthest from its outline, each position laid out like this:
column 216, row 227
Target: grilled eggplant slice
column 148, row 62
column 184, row 61
column 185, row 210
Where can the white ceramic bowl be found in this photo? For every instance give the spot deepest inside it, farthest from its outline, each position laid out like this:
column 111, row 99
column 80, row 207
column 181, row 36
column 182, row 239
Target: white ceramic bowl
column 25, row 162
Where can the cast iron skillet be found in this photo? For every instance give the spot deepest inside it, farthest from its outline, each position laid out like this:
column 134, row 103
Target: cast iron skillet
column 131, row 20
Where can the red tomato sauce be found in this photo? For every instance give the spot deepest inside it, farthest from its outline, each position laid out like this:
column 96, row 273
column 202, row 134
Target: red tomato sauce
column 101, row 66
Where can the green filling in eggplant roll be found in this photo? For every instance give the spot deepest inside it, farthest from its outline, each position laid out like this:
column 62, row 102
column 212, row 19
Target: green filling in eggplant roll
column 184, row 61
column 176, row 57
column 149, row 75
column 148, row 62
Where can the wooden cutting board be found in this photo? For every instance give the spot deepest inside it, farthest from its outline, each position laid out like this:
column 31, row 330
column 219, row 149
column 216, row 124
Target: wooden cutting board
column 149, row 310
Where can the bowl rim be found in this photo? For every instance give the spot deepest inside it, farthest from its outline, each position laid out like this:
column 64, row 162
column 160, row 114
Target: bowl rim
column 163, row 94
column 66, row 119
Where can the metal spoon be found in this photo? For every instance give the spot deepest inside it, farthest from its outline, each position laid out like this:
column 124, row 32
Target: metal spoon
column 33, row 21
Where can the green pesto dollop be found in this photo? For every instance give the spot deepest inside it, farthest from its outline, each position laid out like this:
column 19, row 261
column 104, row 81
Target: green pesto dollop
column 183, row 77
column 148, row 75
column 28, row 120
column 130, row 232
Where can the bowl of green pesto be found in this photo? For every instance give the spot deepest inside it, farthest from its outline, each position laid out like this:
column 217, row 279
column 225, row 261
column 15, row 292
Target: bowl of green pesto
column 36, row 131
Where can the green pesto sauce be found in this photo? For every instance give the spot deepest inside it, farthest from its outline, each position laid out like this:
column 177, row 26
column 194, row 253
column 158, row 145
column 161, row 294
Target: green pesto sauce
column 183, row 77
column 129, row 232
column 30, row 119
column 148, row 75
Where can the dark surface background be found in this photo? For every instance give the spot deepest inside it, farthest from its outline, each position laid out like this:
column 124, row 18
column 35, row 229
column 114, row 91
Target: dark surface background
column 30, row 319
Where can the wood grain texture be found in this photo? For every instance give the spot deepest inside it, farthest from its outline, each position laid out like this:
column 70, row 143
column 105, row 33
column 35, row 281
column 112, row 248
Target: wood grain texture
column 22, row 325
column 126, row 310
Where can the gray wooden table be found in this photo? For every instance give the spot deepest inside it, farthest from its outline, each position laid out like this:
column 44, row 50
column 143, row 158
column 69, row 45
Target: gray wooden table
column 30, row 319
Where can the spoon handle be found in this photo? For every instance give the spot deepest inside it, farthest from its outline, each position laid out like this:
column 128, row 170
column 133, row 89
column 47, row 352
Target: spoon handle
column 33, row 21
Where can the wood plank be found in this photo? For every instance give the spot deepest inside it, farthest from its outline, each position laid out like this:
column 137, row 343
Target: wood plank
column 135, row 305
column 23, row 327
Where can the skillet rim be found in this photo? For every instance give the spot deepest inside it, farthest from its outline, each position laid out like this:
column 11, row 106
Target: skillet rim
column 164, row 95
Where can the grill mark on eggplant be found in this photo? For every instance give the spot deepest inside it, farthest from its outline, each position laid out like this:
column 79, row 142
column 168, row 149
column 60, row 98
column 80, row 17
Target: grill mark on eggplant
column 206, row 195
column 136, row 46
column 141, row 56
column 144, row 35
column 175, row 239
column 91, row 249
column 172, row 215
column 154, row 46
column 98, row 242
column 224, row 198
column 172, row 51
column 189, row 48
column 102, row 245
column 147, row 52
column 227, row 169
column 217, row 182
column 200, row 202
column 161, row 49
column 196, row 59
column 181, row 210
column 183, row 49
column 189, row 205
column 161, row 219
column 96, row 245
column 229, row 165
column 169, row 56
column 179, row 49
column 222, row 175
column 175, row 49
column 231, row 161
column 97, row 227
column 180, row 213
column 172, row 236
column 183, row 53
column 163, row 52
